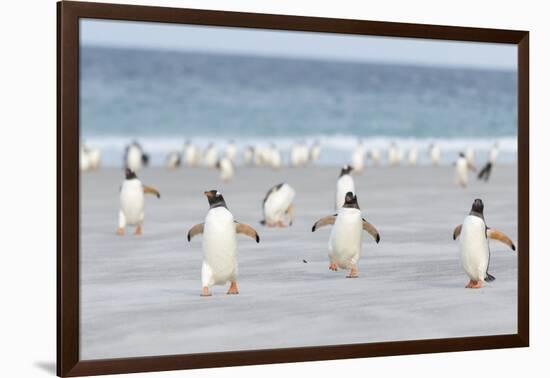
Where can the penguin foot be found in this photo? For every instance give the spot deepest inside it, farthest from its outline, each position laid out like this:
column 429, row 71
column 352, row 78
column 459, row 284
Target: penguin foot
column 352, row 273
column 333, row 267
column 139, row 231
column 205, row 292
column 474, row 284
column 120, row 231
column 233, row 288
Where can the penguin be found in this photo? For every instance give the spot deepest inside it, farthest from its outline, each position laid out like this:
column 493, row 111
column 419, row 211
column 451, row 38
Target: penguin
column 314, row 152
column 134, row 157
column 358, row 159
column 471, row 155
column 413, row 156
column 275, row 159
column 346, row 236
column 211, row 156
column 131, row 202
column 474, row 245
column 231, row 151
column 344, row 184
column 435, row 154
column 375, row 156
column 248, row 156
column 277, row 203
column 192, row 154
column 93, row 156
column 394, row 155
column 493, row 154
column 299, row 155
column 173, row 160
column 84, row 159
column 219, row 244
column 462, row 165
column 227, row 171
column 485, row 172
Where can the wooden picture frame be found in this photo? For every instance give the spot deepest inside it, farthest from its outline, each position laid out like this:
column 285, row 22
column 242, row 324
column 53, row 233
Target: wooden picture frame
column 68, row 187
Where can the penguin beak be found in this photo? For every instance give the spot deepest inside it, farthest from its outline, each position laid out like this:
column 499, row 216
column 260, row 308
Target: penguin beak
column 208, row 194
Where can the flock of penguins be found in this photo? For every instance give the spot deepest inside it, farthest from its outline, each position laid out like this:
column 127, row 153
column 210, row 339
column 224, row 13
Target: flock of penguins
column 219, row 229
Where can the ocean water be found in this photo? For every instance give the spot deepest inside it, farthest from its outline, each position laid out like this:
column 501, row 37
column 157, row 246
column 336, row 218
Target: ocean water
column 162, row 98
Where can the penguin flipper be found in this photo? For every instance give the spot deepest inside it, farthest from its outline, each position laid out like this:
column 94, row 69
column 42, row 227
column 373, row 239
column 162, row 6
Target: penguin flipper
column 325, row 221
column 371, row 230
column 497, row 235
column 457, row 231
column 247, row 230
column 489, row 278
column 150, row 190
column 195, row 230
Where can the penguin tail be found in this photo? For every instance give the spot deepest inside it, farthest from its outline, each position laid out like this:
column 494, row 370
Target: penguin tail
column 490, row 278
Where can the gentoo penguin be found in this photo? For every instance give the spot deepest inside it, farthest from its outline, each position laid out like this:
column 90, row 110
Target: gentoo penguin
column 173, row 160
column 394, row 155
column 93, row 157
column 219, row 244
column 344, row 184
column 462, row 165
column 299, row 155
column 413, row 156
column 277, row 204
column 231, row 151
column 192, row 154
column 227, row 171
column 474, row 245
column 211, row 156
column 375, row 156
column 471, row 155
column 435, row 154
column 346, row 236
column 493, row 154
column 358, row 159
column 131, row 202
column 485, row 172
column 84, row 160
column 314, row 152
column 134, row 157
column 248, row 155
column 275, row 159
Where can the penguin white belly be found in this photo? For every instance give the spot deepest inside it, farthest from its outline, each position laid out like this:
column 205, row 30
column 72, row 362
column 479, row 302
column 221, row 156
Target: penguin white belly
column 474, row 248
column 462, row 171
column 133, row 160
column 277, row 203
column 358, row 160
column 226, row 169
column 210, row 158
column 219, row 245
column 131, row 201
column 345, row 238
column 345, row 184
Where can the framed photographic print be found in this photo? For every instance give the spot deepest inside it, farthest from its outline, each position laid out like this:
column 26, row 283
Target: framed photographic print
column 239, row 188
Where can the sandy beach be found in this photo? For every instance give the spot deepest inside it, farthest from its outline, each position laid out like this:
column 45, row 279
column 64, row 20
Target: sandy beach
column 140, row 295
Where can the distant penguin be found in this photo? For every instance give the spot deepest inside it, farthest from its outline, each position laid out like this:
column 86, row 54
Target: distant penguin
column 227, row 170
column 314, row 152
column 248, row 155
column 435, row 154
column 278, row 204
column 485, row 172
column 219, row 244
column 173, row 160
column 231, row 151
column 346, row 236
column 344, row 184
column 299, row 155
column 375, row 156
column 84, row 159
column 474, row 245
column 358, row 158
column 462, row 166
column 413, row 156
column 132, row 202
column 394, row 155
column 211, row 156
column 471, row 155
column 275, row 159
column 135, row 158
column 493, row 154
column 94, row 157
column 192, row 154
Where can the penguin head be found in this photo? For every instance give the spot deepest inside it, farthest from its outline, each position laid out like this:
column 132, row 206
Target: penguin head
column 130, row 174
column 215, row 198
column 477, row 206
column 351, row 201
column 346, row 169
